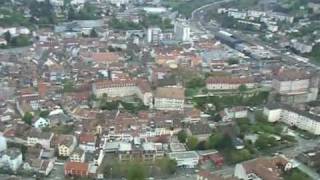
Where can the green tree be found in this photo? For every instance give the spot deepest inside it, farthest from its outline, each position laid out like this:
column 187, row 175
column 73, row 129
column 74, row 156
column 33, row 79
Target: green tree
column 192, row 143
column 215, row 140
column 182, row 136
column 7, row 37
column 237, row 156
column 265, row 141
column 93, row 33
column 167, row 166
column 44, row 114
column 233, row 61
column 136, row 171
column 68, row 86
column 27, row 118
column 296, row 174
column 242, row 88
column 196, row 82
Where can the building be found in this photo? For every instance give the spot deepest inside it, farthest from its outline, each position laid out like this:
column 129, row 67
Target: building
column 182, row 31
column 293, row 117
column 229, row 83
column 78, row 155
column 41, row 123
column 87, row 142
column 188, row 159
column 11, row 158
column 266, row 168
column 3, row 143
column 66, row 144
column 294, row 86
column 76, row 169
column 123, row 88
column 169, row 98
column 154, row 35
column 36, row 137
column 46, row 167
column 200, row 130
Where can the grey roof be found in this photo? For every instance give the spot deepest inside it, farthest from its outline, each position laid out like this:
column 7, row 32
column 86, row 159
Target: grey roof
column 289, row 108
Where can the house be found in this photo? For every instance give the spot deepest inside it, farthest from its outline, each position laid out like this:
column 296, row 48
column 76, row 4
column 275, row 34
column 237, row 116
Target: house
column 266, row 168
column 66, row 144
column 78, row 155
column 3, row 42
column 169, row 98
column 76, row 169
column 187, row 159
column 46, row 167
column 193, row 115
column 200, row 130
column 228, row 83
column 211, row 155
column 35, row 136
column 87, row 142
column 207, row 175
column 101, row 58
column 41, row 123
column 11, row 158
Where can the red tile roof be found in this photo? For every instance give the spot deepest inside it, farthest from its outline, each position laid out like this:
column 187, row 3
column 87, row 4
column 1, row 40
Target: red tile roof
column 86, row 138
column 76, row 166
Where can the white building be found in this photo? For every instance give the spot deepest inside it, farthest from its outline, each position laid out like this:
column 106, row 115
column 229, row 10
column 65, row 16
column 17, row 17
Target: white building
column 295, row 86
column 169, row 98
column 57, row 2
column 182, row 31
column 293, row 117
column 119, row 2
column 66, row 145
column 3, row 143
column 229, row 83
column 153, row 35
column 78, row 156
column 188, row 159
column 11, row 158
column 37, row 137
column 87, row 142
column 41, row 123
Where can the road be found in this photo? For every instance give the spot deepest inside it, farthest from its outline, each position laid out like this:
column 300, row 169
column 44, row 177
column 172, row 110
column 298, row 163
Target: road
column 199, row 23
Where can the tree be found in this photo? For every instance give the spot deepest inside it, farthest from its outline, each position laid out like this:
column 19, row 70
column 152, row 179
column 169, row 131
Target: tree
column 93, row 33
column 7, row 36
column 182, row 136
column 296, row 174
column 27, row 118
column 136, row 171
column 214, row 140
column 242, row 88
column 192, row 143
column 233, row 61
column 265, row 141
column 68, row 86
column 21, row 40
column 167, row 166
column 44, row 114
column 196, row 82
column 237, row 156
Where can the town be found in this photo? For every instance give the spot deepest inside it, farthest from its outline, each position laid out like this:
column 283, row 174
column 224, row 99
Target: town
column 160, row 89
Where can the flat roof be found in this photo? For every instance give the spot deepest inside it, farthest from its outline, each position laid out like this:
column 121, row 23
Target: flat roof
column 184, row 155
column 177, row 147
